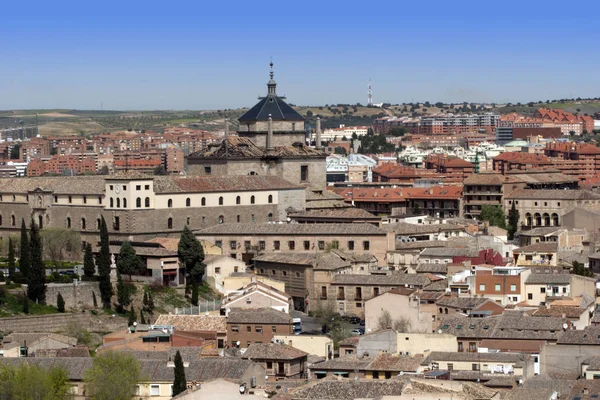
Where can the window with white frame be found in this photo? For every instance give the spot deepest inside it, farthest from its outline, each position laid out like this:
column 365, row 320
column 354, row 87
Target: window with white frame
column 154, row 390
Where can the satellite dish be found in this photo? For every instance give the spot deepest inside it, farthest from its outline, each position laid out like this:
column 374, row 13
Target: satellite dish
column 565, row 326
column 242, row 388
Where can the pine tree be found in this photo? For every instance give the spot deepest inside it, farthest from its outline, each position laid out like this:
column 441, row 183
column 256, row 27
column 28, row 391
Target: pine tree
column 191, row 255
column 36, row 278
column 123, row 293
column 513, row 222
column 128, row 262
column 106, row 289
column 142, row 319
column 132, row 316
column 145, row 301
column 89, row 268
column 194, row 293
column 60, row 303
column 11, row 261
column 24, row 257
column 179, row 381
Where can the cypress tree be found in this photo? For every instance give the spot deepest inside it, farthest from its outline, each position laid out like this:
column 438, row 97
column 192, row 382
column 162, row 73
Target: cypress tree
column 24, row 257
column 191, row 255
column 26, row 305
column 194, row 293
column 123, row 293
column 150, row 303
column 179, row 381
column 89, row 268
column 60, row 303
column 132, row 316
column 128, row 262
column 36, row 278
column 145, row 301
column 11, row 260
column 142, row 319
column 513, row 222
column 94, row 300
column 106, row 289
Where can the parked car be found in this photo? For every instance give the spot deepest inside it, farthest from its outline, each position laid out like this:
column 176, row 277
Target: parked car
column 358, row 331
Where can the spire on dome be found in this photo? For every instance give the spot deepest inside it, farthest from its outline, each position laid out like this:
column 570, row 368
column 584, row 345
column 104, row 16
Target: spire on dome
column 272, row 84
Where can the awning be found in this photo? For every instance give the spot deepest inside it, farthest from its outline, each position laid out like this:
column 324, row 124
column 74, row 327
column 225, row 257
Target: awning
column 169, row 272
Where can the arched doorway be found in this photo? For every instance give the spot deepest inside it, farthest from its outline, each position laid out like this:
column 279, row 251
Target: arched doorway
column 555, row 219
column 546, row 219
column 528, row 220
column 537, row 219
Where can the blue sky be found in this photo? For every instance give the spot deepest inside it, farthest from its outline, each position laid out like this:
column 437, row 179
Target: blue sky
column 195, row 55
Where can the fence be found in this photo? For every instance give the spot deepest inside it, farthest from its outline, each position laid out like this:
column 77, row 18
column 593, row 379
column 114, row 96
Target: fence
column 201, row 308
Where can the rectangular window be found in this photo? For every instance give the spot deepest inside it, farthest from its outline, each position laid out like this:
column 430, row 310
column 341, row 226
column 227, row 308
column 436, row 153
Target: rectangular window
column 276, row 244
column 358, row 305
column 350, row 244
column 258, row 329
column 321, row 245
column 273, row 328
column 84, row 199
column 450, row 367
column 341, row 294
column 303, row 173
column 375, row 374
column 542, row 290
column 146, row 187
column 376, row 291
column 247, row 244
column 472, row 347
column 482, row 287
column 475, row 367
column 497, row 287
column 138, row 187
column 358, row 293
column 233, row 245
column 111, row 187
column 529, row 296
column 292, row 245
column 366, row 245
column 248, row 343
column 324, row 292
column 235, row 328
column 262, row 245
column 269, row 365
column 219, row 243
column 248, row 328
column 117, row 223
column 154, row 390
column 207, row 170
column 460, row 347
column 388, row 375
column 513, row 288
column 306, row 245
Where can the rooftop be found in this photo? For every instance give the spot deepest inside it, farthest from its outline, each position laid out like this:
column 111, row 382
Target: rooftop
column 552, row 194
column 381, row 280
column 247, row 229
column 257, row 316
column 273, row 351
column 210, row 323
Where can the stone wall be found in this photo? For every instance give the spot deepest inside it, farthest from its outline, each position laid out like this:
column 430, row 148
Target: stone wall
column 76, row 296
column 43, row 323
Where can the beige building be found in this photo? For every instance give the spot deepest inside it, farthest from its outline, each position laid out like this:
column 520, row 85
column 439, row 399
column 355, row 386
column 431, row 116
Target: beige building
column 402, row 304
column 496, row 363
column 235, row 282
column 425, row 343
column 541, row 286
column 218, row 268
column 258, row 295
column 321, row 346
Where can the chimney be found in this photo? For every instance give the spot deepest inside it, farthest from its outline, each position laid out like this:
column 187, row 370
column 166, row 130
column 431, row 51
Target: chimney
column 318, row 134
column 226, row 127
column 269, row 145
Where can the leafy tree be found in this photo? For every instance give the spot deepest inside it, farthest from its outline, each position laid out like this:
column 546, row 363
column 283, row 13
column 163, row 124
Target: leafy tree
column 402, row 325
column 580, row 269
column 106, row 289
column 191, row 255
column 31, row 382
column 397, row 131
column 384, row 321
column 179, row 381
column 160, row 170
column 128, row 262
column 339, row 150
column 36, row 279
column 60, row 303
column 24, row 257
column 123, row 293
column 142, row 319
column 104, row 170
column 145, row 301
column 89, row 268
column 513, row 222
column 150, row 303
column 374, row 144
column 11, row 260
column 493, row 215
column 113, row 376
column 58, row 242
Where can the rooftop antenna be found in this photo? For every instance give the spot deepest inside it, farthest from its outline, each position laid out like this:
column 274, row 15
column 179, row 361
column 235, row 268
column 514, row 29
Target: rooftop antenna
column 369, row 95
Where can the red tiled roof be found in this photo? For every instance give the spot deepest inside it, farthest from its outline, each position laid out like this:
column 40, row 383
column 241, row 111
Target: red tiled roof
column 523, row 158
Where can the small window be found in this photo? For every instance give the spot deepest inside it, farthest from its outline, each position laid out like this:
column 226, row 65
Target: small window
column 350, row 244
column 83, row 224
column 111, row 187
column 247, row 244
column 56, row 199
column 292, row 245
column 70, row 199
column 482, row 287
column 273, row 328
column 203, row 201
column 262, row 245
column 138, row 202
column 276, row 245
column 112, row 202
column 147, row 187
column 307, row 245
column 13, row 220
column 233, row 245
column 270, row 217
column 221, row 200
column 238, row 218
column 366, row 245
column 170, row 203
column 475, row 367
column 219, row 243
column 252, row 199
column 188, row 202
column 170, row 223
column 68, row 222
column 238, row 200
column 497, row 287
column 248, row 328
column 217, row 270
column 124, row 202
column 154, row 390
column 84, row 199
column 221, row 219
column 147, row 202
column 117, row 223
column 207, row 170
column 513, row 288
column 124, row 187
column 270, row 199
column 273, row 272
column 235, row 328
column 451, row 366
column 303, row 173
column 118, row 202
column 258, row 329
column 188, row 220
column 529, row 296
column 542, row 290
column 138, row 187
column 321, row 245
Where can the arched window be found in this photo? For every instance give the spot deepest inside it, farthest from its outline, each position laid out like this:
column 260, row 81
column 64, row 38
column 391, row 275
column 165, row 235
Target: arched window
column 13, row 220
column 68, row 222
column 270, row 217
column 138, row 202
column 528, row 220
column 188, row 202
column 238, row 200
column 445, row 311
column 112, row 202
column 555, row 221
column 170, row 203
column 270, row 200
column 441, row 311
column 98, row 223
column 40, row 221
column 538, row 219
column 221, row 200
column 83, row 224
column 147, row 202
column 221, row 219
column 118, row 202
column 124, row 202
column 170, row 223
column 252, row 199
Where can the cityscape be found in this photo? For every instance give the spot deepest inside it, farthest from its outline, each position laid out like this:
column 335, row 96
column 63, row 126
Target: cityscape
column 427, row 238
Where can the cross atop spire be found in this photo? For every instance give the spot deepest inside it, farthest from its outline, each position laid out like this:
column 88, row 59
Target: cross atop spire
column 272, row 84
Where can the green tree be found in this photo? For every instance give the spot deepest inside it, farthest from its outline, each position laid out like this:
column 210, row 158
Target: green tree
column 123, row 293
column 89, row 268
column 113, row 376
column 194, row 293
column 15, row 153
column 11, row 260
column 132, row 316
column 106, row 289
column 513, row 221
column 179, row 381
column 397, row 131
column 24, row 257
column 142, row 319
column 128, row 262
column 25, row 305
column 191, row 255
column 60, row 303
column 580, row 269
column 28, row 381
column 493, row 215
column 36, row 279
column 160, row 170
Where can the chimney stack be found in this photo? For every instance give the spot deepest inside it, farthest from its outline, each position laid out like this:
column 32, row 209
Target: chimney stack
column 269, row 145
column 226, row 127
column 318, row 134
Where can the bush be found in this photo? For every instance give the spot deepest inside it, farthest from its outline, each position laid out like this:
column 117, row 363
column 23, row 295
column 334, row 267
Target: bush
column 60, row 303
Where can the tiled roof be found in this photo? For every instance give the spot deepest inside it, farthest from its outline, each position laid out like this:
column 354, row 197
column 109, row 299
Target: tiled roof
column 271, row 106
column 437, row 286
column 449, row 252
column 540, row 279
column 404, row 228
column 421, row 244
column 588, row 336
column 258, row 316
column 516, row 358
column 528, row 158
column 350, row 362
column 463, row 303
column 539, row 247
column 201, row 370
column 351, row 213
column 244, row 229
column 272, row 351
column 552, row 194
column 234, row 147
column 210, row 323
column 207, row 184
column 381, row 280
column 389, row 362
column 342, row 389
column 541, row 231
column 89, row 185
column 484, row 179
column 432, row 268
column 559, row 311
column 329, row 261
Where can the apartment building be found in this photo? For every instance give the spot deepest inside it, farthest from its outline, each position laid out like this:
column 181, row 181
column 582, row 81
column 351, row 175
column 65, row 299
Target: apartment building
column 480, row 190
column 581, row 160
column 454, row 169
column 256, row 326
column 450, row 124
